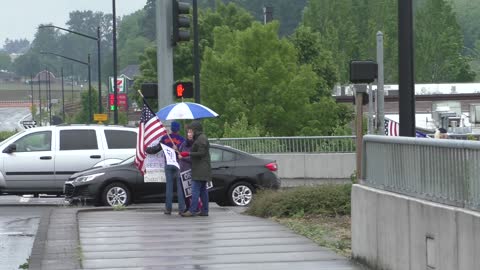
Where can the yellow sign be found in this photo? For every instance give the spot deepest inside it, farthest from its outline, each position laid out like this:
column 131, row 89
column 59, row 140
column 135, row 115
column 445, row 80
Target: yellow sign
column 100, row 117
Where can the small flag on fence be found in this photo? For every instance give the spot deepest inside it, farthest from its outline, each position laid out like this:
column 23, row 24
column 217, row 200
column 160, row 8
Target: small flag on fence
column 392, row 128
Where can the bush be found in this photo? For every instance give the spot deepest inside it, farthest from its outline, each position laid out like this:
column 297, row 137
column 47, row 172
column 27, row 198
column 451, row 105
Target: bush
column 328, row 200
column 6, row 134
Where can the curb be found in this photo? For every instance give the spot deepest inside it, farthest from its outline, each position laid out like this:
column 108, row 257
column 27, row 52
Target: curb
column 38, row 248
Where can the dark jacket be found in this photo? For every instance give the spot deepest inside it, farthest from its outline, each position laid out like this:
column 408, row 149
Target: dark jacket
column 200, row 154
column 185, row 162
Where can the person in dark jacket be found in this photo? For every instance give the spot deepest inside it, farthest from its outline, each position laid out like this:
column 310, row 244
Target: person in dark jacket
column 201, row 170
column 172, row 173
column 185, row 162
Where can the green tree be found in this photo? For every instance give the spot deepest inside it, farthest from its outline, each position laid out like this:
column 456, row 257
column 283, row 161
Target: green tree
column 439, row 45
column 5, row 62
column 257, row 74
column 16, row 45
column 131, row 42
column 335, row 20
column 83, row 115
column 311, row 51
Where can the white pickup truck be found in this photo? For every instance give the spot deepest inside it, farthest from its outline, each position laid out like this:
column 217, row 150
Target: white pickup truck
column 40, row 160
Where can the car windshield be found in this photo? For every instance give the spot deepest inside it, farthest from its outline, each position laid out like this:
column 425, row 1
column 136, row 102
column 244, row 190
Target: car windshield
column 128, row 160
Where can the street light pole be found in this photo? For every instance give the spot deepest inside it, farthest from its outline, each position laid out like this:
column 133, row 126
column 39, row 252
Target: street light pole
column 115, row 96
column 89, row 79
column 63, row 96
column 31, row 88
column 100, row 107
column 89, row 92
column 40, row 98
column 98, row 39
column 49, row 97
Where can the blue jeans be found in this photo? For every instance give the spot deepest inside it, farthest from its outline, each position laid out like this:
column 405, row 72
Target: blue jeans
column 199, row 189
column 173, row 176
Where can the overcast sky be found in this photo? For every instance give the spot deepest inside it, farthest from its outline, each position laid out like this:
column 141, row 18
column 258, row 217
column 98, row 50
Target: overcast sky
column 20, row 18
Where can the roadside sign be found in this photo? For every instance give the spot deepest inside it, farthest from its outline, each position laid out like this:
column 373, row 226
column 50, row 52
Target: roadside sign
column 120, row 85
column 101, row 117
column 29, row 124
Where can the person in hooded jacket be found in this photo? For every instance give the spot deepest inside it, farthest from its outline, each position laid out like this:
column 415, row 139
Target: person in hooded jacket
column 201, row 169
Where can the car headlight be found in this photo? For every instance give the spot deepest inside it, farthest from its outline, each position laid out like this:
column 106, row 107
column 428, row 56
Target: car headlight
column 87, row 178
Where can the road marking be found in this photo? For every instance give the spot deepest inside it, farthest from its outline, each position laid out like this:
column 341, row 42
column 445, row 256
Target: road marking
column 24, row 200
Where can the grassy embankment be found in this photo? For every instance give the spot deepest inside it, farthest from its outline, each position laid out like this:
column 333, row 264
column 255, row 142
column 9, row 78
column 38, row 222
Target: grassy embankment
column 320, row 213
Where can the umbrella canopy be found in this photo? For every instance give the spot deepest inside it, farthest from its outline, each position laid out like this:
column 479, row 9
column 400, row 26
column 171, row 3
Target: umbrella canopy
column 185, row 110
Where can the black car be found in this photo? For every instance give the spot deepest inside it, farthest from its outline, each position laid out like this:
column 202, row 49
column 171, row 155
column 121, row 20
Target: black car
column 236, row 177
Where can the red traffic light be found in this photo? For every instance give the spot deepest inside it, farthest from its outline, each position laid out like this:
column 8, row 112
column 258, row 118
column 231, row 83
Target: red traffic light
column 183, row 90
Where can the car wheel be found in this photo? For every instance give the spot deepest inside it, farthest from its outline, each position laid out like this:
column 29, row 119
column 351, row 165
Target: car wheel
column 116, row 194
column 241, row 194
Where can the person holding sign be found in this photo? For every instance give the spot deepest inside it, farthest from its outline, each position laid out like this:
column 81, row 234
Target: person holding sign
column 173, row 140
column 201, row 169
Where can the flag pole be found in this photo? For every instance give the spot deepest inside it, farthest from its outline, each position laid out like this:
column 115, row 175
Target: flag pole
column 146, row 103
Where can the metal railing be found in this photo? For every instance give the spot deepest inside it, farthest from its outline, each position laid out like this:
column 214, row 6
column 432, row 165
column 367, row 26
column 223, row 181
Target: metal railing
column 443, row 171
column 312, row 144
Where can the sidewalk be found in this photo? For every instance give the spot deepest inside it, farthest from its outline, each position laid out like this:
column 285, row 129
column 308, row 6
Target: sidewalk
column 145, row 238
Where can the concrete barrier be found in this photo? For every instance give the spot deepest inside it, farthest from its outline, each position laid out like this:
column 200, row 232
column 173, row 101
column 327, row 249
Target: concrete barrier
column 306, row 169
column 397, row 232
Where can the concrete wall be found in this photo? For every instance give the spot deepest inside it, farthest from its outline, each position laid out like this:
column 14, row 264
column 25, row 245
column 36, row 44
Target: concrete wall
column 396, row 232
column 305, row 167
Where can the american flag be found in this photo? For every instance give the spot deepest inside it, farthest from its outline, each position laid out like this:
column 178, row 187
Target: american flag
column 392, row 128
column 150, row 129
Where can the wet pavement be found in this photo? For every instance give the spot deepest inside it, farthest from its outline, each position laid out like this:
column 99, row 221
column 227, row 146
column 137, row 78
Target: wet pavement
column 148, row 239
column 18, row 226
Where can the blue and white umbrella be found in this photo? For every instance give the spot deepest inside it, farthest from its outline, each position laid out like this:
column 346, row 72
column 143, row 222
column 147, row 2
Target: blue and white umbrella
column 185, row 110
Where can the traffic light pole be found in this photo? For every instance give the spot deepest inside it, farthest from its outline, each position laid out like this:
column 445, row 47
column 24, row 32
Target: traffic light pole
column 196, row 54
column 164, row 52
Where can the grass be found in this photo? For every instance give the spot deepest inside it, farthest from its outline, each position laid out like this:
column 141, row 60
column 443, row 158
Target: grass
column 320, row 213
column 330, row 232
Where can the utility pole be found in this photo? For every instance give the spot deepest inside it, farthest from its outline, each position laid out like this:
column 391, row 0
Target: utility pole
column 31, row 88
column 380, row 83
column 164, row 52
column 196, row 52
column 115, row 94
column 360, row 90
column 63, row 95
column 406, row 84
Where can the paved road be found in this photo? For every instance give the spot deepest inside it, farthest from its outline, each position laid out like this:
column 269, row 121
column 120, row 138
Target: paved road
column 29, row 200
column 147, row 239
column 18, row 226
column 11, row 117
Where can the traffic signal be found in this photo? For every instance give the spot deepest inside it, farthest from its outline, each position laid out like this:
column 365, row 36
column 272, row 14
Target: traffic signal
column 112, row 107
column 181, row 23
column 183, row 90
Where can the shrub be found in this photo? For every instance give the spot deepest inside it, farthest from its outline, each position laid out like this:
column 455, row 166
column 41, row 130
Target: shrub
column 6, row 134
column 329, row 200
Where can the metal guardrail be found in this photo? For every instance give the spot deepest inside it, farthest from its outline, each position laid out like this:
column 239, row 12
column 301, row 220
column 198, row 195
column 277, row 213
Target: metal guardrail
column 311, row 144
column 443, row 171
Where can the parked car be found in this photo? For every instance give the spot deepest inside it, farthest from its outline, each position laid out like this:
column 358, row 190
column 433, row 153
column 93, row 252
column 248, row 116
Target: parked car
column 236, row 177
column 41, row 159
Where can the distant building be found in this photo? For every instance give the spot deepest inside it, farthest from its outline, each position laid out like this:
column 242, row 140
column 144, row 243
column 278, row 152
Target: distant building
column 129, row 73
column 6, row 76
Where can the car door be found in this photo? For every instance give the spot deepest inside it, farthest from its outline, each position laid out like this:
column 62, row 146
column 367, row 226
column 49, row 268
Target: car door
column 222, row 162
column 31, row 166
column 78, row 149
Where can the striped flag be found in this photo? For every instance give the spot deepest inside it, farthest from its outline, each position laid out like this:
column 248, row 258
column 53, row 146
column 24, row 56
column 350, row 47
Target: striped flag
column 149, row 129
column 392, row 128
